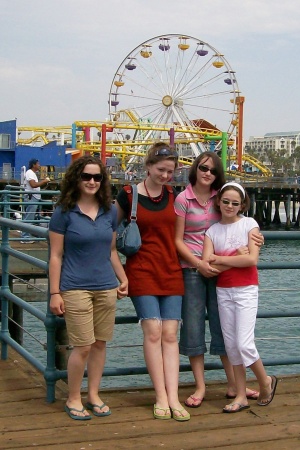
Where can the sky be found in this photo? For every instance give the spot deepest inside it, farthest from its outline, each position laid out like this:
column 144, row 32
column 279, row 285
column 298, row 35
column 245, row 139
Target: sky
column 58, row 57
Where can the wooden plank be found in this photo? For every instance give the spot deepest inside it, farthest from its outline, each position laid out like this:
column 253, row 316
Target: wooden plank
column 27, row 421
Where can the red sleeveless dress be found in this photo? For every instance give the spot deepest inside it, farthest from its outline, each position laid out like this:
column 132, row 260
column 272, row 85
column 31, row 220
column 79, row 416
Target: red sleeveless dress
column 155, row 268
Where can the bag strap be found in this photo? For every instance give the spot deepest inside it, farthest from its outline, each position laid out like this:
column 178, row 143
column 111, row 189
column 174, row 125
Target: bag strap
column 133, row 215
column 169, row 189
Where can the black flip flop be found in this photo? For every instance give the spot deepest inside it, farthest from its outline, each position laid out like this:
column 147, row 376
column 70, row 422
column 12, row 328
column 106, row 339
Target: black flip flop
column 271, row 396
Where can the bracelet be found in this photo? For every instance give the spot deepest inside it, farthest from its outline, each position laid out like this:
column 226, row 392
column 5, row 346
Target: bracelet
column 54, row 293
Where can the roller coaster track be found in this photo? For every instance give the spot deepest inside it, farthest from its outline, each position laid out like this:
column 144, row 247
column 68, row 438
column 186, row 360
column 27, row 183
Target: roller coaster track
column 137, row 146
column 265, row 171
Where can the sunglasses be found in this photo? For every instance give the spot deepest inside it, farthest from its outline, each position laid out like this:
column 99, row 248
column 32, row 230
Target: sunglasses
column 88, row 176
column 228, row 202
column 165, row 152
column 207, row 169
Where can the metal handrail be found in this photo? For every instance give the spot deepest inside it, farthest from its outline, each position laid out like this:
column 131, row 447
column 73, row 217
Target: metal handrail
column 53, row 323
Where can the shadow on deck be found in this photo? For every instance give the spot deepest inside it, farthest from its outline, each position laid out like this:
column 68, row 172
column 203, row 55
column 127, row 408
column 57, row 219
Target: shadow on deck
column 27, row 421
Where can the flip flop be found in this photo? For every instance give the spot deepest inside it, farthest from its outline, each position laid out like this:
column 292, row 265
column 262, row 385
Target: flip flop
column 240, row 408
column 180, row 418
column 73, row 416
column 253, row 396
column 198, row 401
column 271, row 396
column 165, row 416
column 92, row 407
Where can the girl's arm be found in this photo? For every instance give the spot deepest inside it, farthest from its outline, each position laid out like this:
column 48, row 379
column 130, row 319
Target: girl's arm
column 120, row 212
column 57, row 305
column 122, row 290
column 258, row 238
column 245, row 260
column 186, row 254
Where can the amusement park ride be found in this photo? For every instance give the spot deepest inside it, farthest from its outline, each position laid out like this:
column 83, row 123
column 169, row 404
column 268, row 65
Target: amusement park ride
column 171, row 88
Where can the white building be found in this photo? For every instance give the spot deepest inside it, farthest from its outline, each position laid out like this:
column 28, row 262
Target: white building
column 286, row 140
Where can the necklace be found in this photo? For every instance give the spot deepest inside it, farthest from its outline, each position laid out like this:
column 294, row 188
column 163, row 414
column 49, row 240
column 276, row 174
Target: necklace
column 155, row 200
column 204, row 201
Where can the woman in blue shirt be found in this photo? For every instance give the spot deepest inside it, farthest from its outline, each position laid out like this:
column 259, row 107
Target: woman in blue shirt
column 83, row 270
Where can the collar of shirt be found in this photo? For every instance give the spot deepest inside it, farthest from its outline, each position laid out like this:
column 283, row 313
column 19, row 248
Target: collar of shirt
column 189, row 193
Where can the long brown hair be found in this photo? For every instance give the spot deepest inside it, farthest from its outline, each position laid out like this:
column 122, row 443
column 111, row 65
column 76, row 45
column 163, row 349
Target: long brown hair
column 70, row 191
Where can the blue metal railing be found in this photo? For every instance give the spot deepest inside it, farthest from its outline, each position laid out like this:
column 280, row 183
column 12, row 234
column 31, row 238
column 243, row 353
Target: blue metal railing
column 52, row 323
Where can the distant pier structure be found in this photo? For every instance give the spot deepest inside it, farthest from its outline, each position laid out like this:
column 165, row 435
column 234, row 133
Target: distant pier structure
column 274, row 204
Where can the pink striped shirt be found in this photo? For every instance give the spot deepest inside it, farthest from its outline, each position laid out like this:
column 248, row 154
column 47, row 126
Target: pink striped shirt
column 198, row 218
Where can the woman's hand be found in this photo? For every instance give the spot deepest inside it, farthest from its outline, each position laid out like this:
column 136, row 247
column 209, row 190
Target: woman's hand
column 258, row 239
column 57, row 305
column 243, row 251
column 122, row 290
column 206, row 269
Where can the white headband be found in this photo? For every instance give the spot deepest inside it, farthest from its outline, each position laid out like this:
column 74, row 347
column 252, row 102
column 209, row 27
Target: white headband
column 237, row 185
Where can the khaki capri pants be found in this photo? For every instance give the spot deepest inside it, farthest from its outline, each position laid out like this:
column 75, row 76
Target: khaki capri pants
column 89, row 315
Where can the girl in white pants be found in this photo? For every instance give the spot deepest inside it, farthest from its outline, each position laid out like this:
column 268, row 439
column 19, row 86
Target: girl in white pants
column 237, row 291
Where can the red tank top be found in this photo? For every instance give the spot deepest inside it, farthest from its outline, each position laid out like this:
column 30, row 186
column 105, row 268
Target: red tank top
column 155, row 268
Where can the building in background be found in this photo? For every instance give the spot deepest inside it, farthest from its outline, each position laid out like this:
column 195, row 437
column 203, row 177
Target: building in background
column 283, row 140
column 13, row 156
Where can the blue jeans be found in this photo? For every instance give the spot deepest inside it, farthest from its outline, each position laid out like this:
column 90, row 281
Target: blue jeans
column 29, row 217
column 200, row 297
column 161, row 307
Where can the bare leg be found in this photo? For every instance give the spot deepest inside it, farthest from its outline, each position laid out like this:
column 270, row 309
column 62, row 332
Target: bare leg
column 152, row 329
column 240, row 379
column 95, row 366
column 170, row 354
column 264, row 381
column 231, row 386
column 197, row 365
column 76, row 366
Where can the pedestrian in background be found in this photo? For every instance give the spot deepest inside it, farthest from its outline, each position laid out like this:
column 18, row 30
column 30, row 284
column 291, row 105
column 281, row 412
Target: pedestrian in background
column 32, row 196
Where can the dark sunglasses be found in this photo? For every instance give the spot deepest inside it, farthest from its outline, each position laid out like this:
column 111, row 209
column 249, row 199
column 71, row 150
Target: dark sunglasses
column 207, row 169
column 166, row 152
column 228, row 202
column 88, row 176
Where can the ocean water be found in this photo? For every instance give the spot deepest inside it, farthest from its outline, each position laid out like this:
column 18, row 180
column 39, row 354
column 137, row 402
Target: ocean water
column 275, row 338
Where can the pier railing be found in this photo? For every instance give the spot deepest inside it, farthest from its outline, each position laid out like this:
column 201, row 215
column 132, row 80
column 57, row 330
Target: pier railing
column 55, row 326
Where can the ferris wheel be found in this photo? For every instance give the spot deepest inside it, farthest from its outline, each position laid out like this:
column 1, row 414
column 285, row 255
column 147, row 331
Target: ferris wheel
column 175, row 80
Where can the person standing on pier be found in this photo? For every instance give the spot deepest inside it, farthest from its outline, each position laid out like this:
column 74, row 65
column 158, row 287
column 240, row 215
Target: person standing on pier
column 155, row 278
column 237, row 291
column 195, row 213
column 32, row 196
column 83, row 271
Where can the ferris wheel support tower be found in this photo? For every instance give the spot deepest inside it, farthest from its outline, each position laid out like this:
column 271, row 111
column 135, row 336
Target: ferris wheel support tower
column 239, row 134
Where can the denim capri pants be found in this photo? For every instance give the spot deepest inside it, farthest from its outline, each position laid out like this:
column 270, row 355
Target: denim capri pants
column 160, row 307
column 200, row 297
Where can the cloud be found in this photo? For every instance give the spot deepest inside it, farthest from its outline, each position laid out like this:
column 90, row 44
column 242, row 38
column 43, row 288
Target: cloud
column 58, row 58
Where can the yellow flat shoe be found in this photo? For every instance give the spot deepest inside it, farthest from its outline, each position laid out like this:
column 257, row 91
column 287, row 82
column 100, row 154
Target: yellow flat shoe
column 165, row 416
column 181, row 417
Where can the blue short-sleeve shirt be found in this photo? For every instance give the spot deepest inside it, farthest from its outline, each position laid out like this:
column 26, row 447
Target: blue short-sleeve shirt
column 87, row 248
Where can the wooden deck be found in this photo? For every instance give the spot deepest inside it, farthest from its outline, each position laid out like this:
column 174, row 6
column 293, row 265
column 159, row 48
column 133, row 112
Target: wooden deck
column 27, row 421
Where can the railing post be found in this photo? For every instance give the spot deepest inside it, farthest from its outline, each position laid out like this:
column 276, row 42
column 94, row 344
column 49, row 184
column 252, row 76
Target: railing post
column 50, row 370
column 16, row 313
column 5, row 286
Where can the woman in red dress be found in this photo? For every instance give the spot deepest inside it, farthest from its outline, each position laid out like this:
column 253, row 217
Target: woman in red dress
column 155, row 278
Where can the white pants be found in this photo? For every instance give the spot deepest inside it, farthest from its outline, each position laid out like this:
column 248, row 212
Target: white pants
column 238, row 309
